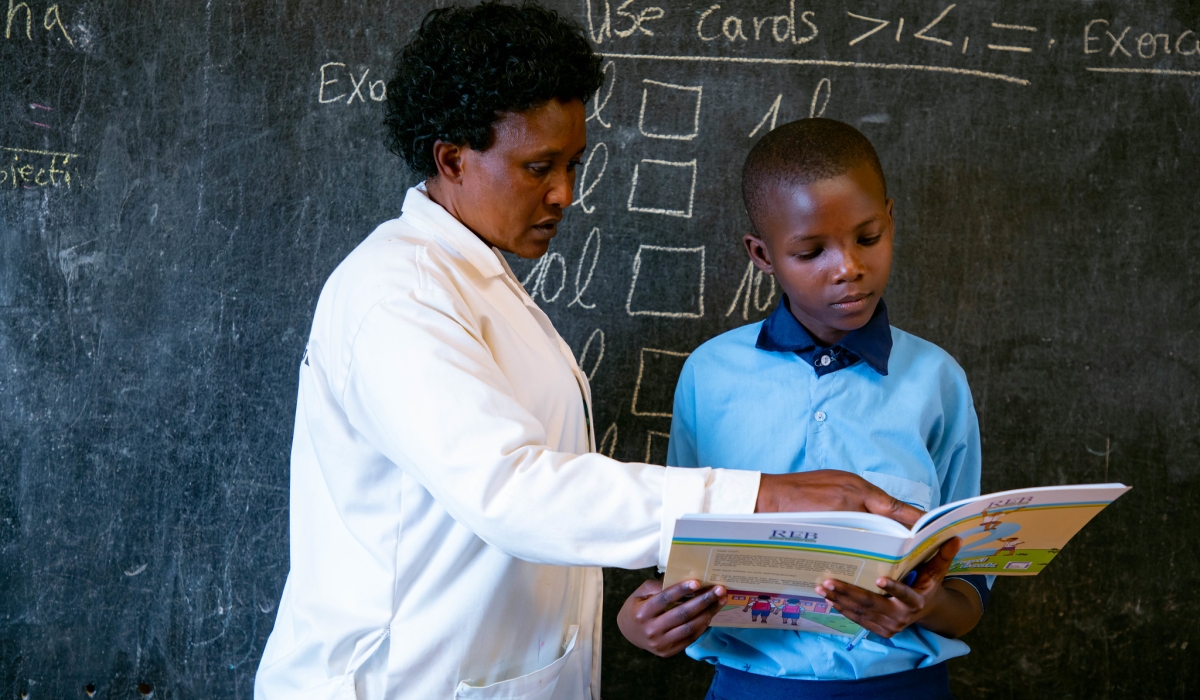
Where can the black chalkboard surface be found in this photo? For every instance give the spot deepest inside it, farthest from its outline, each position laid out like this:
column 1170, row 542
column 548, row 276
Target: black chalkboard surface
column 179, row 179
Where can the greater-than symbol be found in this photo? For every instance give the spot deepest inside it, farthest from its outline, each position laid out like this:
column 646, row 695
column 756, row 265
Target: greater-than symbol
column 881, row 23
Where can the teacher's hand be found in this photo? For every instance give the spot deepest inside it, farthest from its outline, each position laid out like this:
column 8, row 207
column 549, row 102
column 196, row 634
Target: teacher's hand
column 829, row 489
column 647, row 623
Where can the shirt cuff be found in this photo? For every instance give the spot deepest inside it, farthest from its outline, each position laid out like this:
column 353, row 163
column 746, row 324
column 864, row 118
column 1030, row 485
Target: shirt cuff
column 703, row 490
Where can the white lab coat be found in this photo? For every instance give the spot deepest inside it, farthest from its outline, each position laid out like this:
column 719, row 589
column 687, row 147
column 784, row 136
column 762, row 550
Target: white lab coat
column 447, row 507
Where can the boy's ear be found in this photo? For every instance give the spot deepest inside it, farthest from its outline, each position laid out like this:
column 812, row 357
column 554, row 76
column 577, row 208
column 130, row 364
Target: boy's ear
column 759, row 254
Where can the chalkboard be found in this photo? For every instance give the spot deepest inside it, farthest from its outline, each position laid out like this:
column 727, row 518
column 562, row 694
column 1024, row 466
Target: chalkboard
column 180, row 178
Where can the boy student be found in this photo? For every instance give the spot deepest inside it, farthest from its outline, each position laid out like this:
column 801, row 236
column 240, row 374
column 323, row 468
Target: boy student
column 825, row 383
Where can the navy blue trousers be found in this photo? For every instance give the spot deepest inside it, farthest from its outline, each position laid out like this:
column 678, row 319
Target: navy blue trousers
column 931, row 683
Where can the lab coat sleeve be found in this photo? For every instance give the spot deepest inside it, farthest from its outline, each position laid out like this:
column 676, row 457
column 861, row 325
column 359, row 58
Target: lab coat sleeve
column 424, row 389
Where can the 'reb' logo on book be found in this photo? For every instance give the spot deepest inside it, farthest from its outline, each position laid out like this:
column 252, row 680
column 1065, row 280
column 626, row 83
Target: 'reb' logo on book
column 794, row 536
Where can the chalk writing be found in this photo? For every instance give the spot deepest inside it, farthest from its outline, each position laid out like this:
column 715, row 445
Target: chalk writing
column 772, row 114
column 821, row 96
column 783, row 28
column 593, row 235
column 879, row 25
column 656, row 450
column 668, row 104
column 1100, row 37
column 663, row 179
column 751, row 287
column 820, row 100
column 332, row 88
column 1012, row 27
column 608, row 443
column 923, row 32
column 663, row 366
column 548, row 277
column 725, row 28
column 822, row 62
column 630, row 20
column 597, row 337
column 51, row 21
column 598, row 104
column 543, row 270
column 30, row 168
column 685, row 296
column 588, row 181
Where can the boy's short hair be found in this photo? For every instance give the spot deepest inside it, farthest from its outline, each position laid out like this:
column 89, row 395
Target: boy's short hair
column 466, row 66
column 803, row 152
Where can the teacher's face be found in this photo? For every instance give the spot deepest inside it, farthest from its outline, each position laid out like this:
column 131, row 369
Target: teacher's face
column 513, row 194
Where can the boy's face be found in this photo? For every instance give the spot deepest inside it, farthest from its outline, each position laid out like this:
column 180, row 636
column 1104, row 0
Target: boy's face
column 829, row 244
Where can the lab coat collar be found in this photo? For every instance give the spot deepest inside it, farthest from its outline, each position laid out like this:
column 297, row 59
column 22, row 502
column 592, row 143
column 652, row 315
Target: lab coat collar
column 433, row 218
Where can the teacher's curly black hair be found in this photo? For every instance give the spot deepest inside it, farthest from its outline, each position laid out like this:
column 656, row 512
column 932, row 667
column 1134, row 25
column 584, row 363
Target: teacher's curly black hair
column 467, row 66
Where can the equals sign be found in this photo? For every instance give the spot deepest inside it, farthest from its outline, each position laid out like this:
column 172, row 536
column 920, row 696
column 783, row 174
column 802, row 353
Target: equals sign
column 34, row 105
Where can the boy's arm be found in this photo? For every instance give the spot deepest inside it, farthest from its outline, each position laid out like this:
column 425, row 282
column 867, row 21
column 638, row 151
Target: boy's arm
column 960, row 469
column 958, row 612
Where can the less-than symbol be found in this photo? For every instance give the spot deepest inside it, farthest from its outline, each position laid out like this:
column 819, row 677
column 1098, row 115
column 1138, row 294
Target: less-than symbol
column 922, row 35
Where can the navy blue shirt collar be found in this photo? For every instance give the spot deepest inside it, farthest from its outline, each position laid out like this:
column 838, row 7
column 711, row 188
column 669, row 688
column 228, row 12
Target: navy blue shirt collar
column 872, row 343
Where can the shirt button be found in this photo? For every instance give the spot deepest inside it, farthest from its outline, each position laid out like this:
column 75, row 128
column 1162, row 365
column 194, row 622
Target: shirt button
column 820, row 416
column 824, row 361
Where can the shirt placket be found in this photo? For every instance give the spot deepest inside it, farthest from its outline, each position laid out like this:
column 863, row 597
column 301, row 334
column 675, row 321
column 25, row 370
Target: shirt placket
column 818, row 418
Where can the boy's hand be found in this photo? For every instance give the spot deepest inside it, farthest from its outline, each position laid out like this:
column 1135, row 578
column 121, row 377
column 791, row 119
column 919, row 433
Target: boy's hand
column 829, row 489
column 943, row 610
column 646, row 621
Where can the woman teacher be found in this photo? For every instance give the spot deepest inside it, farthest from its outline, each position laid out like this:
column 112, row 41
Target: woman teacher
column 448, row 508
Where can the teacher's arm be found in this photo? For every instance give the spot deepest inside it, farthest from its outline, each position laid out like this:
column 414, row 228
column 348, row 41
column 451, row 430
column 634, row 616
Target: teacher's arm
column 423, row 388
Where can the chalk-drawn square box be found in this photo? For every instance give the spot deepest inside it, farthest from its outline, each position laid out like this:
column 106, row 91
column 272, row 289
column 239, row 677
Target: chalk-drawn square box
column 663, row 187
column 670, row 111
column 667, row 282
column 654, row 392
column 656, row 447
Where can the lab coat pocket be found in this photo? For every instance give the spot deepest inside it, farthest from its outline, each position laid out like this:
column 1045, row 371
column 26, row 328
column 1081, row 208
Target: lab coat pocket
column 914, row 493
column 538, row 685
column 340, row 688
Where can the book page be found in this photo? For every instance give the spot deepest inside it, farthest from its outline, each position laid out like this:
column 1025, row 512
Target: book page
column 778, row 557
column 785, row 571
column 1012, row 533
column 771, row 568
column 860, row 521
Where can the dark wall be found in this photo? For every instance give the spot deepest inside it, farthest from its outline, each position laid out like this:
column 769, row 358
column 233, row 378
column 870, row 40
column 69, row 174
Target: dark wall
column 154, row 306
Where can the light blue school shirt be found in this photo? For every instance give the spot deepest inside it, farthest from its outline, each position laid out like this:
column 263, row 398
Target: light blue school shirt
column 763, row 397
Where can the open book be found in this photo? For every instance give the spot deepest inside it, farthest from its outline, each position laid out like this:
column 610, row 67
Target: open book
column 770, row 562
